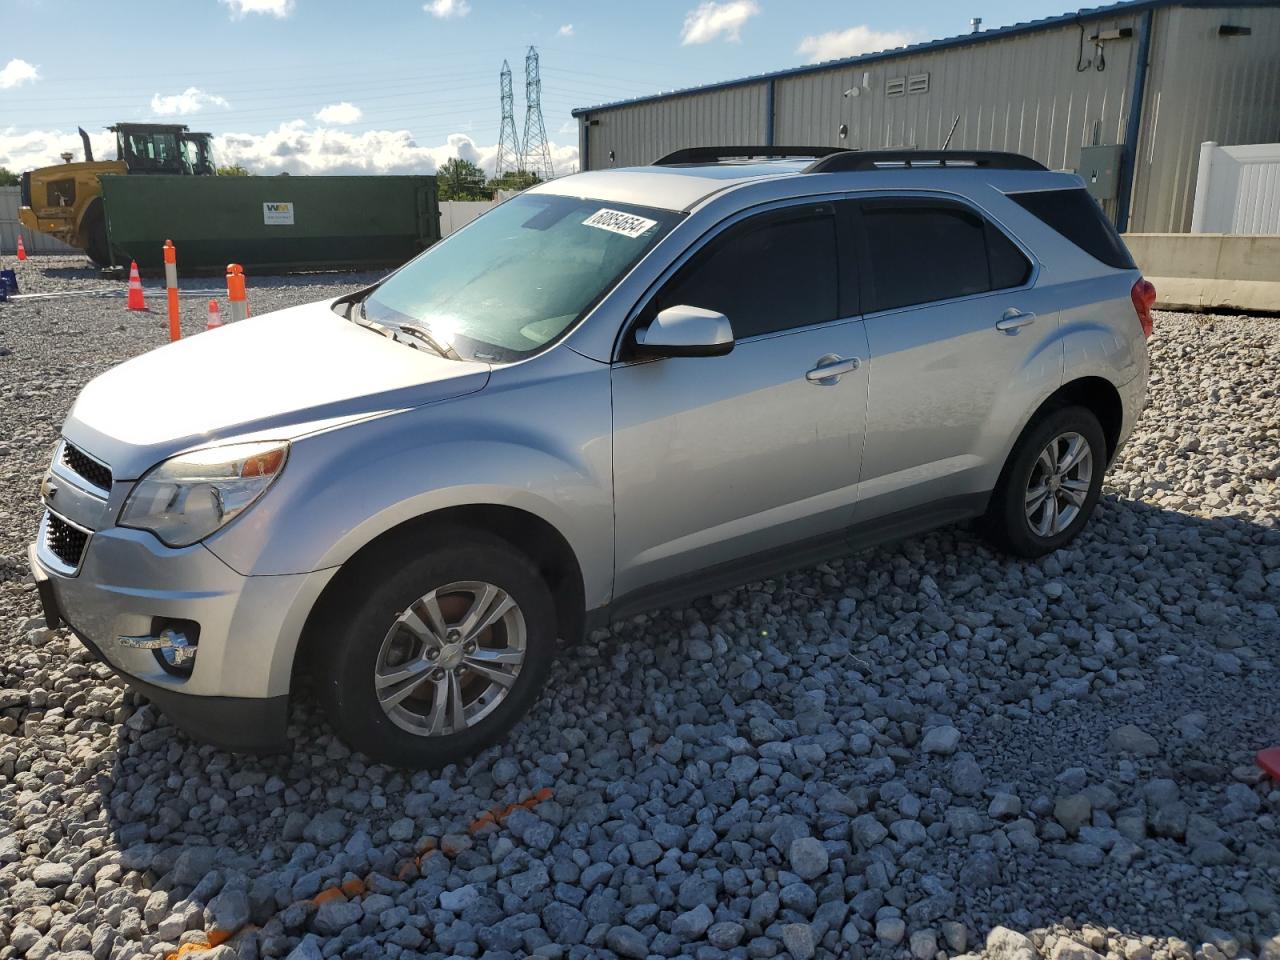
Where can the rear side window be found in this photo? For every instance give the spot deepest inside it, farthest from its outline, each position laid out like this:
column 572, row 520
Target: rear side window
column 773, row 272
column 923, row 251
column 1009, row 266
column 1077, row 216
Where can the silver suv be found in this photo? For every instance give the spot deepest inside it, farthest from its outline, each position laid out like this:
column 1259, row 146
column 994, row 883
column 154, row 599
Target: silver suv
column 617, row 390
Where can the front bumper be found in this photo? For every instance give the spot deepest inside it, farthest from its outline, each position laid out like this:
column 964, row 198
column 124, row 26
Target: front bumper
column 239, row 724
column 237, row 693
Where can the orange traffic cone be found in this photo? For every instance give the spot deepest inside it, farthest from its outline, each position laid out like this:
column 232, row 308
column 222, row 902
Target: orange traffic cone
column 22, row 250
column 215, row 316
column 136, row 302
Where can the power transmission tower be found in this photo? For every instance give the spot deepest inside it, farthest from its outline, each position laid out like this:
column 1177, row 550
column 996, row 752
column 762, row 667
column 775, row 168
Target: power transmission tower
column 537, row 153
column 508, row 144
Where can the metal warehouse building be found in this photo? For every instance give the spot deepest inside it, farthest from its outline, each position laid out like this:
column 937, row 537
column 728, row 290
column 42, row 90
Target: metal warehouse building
column 1137, row 86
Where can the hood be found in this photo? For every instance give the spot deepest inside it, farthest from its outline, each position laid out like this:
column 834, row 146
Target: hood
column 275, row 377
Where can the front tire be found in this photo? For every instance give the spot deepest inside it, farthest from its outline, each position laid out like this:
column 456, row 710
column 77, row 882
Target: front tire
column 1049, row 485
column 437, row 654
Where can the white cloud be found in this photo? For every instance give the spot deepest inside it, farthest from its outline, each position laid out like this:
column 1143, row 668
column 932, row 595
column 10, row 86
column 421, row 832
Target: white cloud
column 190, row 100
column 298, row 148
column 40, row 148
column 276, row 8
column 17, row 72
column 711, row 20
column 446, row 9
column 339, row 113
column 566, row 30
column 849, row 43
column 295, row 147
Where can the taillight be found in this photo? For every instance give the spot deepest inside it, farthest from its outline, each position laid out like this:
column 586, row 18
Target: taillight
column 1144, row 298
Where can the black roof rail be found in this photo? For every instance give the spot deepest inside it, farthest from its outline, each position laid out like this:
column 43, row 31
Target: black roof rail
column 849, row 160
column 716, row 154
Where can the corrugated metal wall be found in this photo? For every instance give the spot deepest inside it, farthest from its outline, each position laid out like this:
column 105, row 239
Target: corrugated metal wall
column 644, row 132
column 10, row 200
column 1037, row 93
column 1202, row 86
column 1021, row 93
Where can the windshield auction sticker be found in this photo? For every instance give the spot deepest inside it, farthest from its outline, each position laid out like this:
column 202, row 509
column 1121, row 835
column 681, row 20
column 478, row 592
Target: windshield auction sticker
column 615, row 221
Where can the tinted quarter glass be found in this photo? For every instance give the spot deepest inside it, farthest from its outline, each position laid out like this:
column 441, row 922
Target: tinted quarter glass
column 1009, row 265
column 774, row 272
column 1077, row 216
column 921, row 251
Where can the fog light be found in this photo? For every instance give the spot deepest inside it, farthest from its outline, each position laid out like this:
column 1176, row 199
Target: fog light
column 174, row 649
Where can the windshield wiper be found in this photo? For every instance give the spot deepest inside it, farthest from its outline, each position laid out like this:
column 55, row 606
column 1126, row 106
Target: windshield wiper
column 423, row 334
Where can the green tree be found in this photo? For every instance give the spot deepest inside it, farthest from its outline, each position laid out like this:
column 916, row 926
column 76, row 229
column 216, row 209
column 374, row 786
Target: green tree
column 8, row 178
column 459, row 179
column 514, row 180
column 235, row 170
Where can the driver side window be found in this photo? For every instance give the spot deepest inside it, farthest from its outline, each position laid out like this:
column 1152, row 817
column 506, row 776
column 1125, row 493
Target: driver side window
column 776, row 271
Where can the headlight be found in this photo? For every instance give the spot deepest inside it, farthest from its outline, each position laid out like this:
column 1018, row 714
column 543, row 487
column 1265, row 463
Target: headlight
column 191, row 495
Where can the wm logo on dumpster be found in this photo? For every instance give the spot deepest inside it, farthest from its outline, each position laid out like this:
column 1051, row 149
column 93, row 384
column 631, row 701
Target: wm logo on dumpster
column 277, row 214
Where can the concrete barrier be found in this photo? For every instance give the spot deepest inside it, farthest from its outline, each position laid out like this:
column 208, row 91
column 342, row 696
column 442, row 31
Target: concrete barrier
column 1210, row 270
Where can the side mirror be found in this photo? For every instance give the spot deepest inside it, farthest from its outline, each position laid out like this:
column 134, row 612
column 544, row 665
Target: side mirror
column 685, row 332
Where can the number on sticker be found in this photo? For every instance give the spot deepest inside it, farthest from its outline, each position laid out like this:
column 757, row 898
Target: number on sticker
column 615, row 221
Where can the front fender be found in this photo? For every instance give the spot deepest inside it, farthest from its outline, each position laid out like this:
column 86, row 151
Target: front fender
column 545, row 449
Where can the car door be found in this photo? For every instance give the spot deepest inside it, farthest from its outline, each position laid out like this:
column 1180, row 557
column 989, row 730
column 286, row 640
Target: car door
column 717, row 459
column 963, row 345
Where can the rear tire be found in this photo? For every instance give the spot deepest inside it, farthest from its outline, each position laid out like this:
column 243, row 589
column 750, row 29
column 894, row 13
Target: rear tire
column 94, row 232
column 403, row 675
column 1050, row 484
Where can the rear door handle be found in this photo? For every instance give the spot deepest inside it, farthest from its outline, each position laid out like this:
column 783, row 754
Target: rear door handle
column 1013, row 319
column 831, row 368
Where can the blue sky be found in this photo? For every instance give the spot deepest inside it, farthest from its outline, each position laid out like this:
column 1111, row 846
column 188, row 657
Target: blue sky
column 407, row 82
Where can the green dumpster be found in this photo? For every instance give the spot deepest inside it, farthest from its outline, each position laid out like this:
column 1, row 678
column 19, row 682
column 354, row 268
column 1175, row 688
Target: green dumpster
column 270, row 224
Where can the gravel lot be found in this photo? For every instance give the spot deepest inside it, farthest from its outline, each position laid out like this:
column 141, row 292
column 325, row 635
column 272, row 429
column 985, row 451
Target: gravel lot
column 924, row 750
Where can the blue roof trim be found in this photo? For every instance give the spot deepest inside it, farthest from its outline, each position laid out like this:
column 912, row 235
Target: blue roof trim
column 982, row 36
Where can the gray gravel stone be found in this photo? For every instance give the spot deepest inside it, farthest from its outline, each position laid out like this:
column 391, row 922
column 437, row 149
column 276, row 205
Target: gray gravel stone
column 808, row 858
column 1006, row 944
column 798, row 940
column 941, row 740
column 891, row 930
column 692, row 924
column 1130, row 738
column 627, row 942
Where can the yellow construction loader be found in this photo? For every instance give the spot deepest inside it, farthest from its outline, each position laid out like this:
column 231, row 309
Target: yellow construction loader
column 65, row 201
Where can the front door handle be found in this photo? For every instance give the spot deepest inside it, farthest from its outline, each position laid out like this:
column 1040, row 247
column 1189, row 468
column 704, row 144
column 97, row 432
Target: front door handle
column 831, row 368
column 1013, row 319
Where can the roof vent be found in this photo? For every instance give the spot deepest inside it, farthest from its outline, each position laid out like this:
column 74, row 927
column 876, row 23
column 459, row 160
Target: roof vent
column 975, row 24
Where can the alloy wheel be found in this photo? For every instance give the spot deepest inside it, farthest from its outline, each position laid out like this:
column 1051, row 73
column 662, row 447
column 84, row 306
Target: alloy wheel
column 1059, row 484
column 450, row 658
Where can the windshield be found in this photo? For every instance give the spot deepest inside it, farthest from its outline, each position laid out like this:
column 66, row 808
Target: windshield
column 519, row 276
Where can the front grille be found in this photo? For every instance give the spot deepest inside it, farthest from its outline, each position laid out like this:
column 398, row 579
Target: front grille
column 64, row 541
column 98, row 474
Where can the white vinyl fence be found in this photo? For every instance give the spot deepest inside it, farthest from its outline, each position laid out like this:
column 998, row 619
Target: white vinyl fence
column 10, row 200
column 1238, row 189
column 456, row 214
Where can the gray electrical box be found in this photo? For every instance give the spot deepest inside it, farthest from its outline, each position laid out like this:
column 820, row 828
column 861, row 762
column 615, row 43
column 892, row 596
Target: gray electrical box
column 1100, row 167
